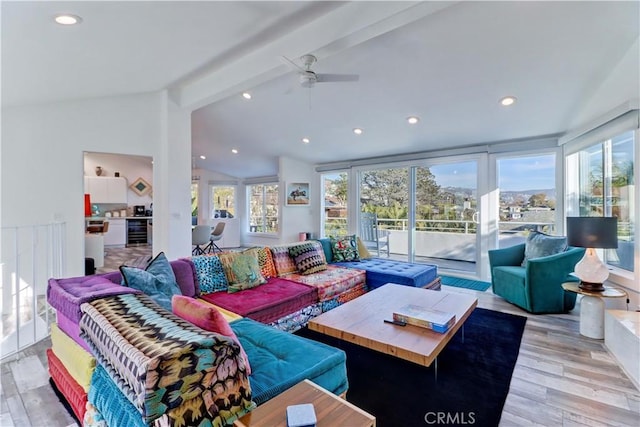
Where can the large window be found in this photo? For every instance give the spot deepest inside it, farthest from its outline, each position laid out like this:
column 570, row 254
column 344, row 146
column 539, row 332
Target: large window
column 263, row 208
column 447, row 213
column 527, row 197
column 336, row 188
column 223, row 201
column 605, row 187
column 385, row 193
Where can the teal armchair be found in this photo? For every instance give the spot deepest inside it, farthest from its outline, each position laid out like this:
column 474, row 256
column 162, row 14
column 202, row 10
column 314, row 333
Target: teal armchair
column 537, row 286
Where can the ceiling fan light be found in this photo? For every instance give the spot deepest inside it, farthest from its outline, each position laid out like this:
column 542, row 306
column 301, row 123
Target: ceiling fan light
column 306, row 140
column 234, row 151
column 413, row 120
column 246, row 95
column 357, row 131
column 203, row 157
column 508, row 100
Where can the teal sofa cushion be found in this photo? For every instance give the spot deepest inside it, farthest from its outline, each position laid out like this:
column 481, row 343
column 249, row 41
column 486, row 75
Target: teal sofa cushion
column 280, row 360
column 157, row 280
column 327, row 249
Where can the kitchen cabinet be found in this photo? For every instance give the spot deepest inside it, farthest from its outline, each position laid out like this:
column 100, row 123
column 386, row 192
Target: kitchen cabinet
column 106, row 189
column 116, row 234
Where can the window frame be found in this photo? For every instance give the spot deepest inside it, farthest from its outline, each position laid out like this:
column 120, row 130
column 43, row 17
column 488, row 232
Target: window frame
column 212, row 202
column 278, row 205
column 619, row 276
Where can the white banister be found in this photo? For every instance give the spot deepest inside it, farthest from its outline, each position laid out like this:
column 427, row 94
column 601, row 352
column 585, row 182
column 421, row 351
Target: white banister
column 29, row 256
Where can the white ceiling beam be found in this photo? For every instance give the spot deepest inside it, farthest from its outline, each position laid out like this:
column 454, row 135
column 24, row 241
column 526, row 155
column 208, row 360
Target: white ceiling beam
column 340, row 29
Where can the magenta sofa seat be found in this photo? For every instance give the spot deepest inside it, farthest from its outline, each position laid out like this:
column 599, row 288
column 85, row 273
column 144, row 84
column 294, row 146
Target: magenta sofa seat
column 268, row 302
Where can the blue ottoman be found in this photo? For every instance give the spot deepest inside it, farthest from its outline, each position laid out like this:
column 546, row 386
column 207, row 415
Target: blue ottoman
column 383, row 270
column 280, row 360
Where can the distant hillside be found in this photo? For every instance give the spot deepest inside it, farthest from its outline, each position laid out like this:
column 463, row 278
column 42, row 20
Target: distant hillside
column 550, row 193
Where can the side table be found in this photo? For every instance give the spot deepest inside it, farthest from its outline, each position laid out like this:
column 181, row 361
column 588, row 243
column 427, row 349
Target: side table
column 592, row 308
column 331, row 410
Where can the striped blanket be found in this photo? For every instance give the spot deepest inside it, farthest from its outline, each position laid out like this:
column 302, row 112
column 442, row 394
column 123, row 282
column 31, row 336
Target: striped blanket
column 160, row 361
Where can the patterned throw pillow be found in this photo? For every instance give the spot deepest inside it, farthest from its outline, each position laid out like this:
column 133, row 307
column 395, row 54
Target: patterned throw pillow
column 265, row 260
column 157, row 281
column 345, row 248
column 207, row 317
column 308, row 257
column 210, row 274
column 540, row 245
column 242, row 271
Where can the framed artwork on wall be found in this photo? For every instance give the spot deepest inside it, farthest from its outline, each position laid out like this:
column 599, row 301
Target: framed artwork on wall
column 297, row 194
column 140, row 187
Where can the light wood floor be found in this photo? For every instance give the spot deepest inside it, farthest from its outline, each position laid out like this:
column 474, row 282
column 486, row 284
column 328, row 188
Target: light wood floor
column 561, row 379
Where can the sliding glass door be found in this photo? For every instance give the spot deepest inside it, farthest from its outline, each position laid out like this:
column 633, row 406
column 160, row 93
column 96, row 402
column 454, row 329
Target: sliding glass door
column 446, row 215
column 385, row 194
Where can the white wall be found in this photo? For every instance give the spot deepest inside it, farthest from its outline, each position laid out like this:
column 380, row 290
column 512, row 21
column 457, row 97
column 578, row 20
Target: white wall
column 293, row 219
column 296, row 219
column 42, row 154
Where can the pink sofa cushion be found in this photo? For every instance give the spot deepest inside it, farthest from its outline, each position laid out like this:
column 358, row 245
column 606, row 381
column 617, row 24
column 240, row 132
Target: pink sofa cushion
column 268, row 302
column 206, row 316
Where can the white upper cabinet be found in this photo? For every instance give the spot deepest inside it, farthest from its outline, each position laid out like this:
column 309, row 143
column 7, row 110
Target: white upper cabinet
column 106, row 189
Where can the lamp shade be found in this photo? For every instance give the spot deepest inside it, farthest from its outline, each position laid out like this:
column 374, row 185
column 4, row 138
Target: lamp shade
column 592, row 232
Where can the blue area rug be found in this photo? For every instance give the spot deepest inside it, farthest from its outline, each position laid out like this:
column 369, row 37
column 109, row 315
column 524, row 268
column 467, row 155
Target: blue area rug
column 476, row 285
column 473, row 379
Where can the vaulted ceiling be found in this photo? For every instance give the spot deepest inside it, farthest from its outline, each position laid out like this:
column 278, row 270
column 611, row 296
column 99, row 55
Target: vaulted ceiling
column 448, row 63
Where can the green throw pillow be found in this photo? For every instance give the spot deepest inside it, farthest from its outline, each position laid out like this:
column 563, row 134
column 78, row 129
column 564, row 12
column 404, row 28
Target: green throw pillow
column 540, row 245
column 345, row 248
column 246, row 270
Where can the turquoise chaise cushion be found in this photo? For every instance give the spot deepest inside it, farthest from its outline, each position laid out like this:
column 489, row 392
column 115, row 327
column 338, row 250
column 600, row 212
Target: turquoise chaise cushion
column 281, row 360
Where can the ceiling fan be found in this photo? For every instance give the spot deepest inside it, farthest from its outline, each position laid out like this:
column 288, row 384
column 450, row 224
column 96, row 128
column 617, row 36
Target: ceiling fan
column 308, row 78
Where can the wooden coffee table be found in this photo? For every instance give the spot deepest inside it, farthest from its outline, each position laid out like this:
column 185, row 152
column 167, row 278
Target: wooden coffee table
column 361, row 321
column 330, row 409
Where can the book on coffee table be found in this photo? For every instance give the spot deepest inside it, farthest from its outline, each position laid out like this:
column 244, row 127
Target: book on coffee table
column 436, row 320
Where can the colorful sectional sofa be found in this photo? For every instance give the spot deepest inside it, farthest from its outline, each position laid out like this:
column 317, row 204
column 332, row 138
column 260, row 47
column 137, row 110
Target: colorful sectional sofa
column 98, row 318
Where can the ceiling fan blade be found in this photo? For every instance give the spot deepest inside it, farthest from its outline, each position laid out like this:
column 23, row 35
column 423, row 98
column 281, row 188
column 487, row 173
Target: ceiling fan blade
column 289, row 63
column 327, row 78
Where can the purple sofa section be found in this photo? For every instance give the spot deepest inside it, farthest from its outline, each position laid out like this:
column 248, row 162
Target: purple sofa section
column 72, row 329
column 66, row 295
column 183, row 269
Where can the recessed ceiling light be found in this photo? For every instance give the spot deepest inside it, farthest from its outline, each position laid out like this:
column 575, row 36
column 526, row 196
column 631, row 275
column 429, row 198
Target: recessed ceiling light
column 67, row 19
column 306, row 140
column 234, row 151
column 357, row 131
column 508, row 100
column 246, row 95
column 203, row 157
column 413, row 120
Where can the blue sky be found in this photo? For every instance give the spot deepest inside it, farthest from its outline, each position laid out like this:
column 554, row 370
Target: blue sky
column 515, row 174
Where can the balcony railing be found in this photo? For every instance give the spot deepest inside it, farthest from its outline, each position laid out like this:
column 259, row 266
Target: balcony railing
column 29, row 256
column 338, row 226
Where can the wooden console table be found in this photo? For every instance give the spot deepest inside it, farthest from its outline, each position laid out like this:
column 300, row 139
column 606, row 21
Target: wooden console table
column 331, row 410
